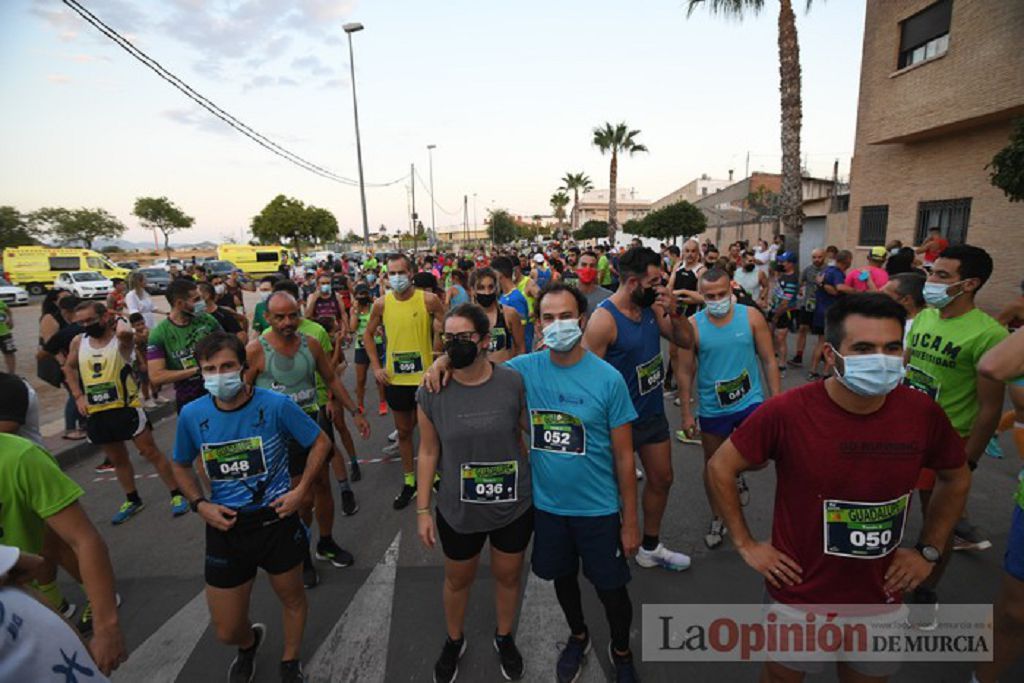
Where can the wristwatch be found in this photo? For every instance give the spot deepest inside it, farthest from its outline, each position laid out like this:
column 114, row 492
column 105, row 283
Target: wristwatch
column 195, row 503
column 929, row 552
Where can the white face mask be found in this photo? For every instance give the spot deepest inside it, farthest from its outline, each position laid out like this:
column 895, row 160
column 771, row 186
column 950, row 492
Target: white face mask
column 874, row 374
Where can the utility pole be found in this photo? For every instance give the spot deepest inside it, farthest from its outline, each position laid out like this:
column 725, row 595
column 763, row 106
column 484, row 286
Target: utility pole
column 465, row 220
column 349, row 30
column 430, row 156
column 412, row 175
column 746, row 169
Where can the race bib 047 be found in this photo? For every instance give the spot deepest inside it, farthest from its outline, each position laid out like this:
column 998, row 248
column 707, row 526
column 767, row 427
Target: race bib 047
column 864, row 530
column 732, row 391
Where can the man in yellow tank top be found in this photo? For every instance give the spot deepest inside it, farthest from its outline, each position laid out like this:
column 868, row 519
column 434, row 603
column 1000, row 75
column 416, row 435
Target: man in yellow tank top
column 98, row 371
column 410, row 317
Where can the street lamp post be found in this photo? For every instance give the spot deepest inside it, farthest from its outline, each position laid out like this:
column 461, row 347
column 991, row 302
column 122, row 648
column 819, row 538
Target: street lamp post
column 433, row 222
column 350, row 29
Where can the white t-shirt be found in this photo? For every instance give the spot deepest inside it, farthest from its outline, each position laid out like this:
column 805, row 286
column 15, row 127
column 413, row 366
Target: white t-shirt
column 141, row 304
column 37, row 645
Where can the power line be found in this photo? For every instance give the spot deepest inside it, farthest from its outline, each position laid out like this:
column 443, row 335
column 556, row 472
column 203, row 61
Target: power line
column 188, row 91
column 427, row 189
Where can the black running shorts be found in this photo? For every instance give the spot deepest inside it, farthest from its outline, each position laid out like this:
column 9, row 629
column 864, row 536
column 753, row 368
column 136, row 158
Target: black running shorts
column 511, row 538
column 115, row 425
column 258, row 540
column 400, row 398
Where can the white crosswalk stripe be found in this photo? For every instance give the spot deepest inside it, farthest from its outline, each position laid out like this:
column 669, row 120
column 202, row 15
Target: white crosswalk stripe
column 356, row 649
column 161, row 657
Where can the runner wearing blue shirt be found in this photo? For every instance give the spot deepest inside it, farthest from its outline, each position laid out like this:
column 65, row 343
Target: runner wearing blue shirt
column 512, row 297
column 251, row 516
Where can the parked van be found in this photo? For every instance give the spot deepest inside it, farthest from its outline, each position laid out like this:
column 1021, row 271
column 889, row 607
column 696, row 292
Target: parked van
column 254, row 261
column 36, row 268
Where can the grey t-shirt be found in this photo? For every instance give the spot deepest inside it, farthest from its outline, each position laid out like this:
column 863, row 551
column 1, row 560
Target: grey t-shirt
column 485, row 480
column 595, row 297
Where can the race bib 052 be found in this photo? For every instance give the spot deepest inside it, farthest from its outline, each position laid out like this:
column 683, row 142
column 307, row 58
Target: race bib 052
column 557, row 432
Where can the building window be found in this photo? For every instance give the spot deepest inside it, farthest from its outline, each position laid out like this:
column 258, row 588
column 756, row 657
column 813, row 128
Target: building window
column 873, row 222
column 926, row 34
column 952, row 217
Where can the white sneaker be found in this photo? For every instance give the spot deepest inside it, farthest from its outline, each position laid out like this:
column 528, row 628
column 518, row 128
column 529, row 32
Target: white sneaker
column 743, row 491
column 162, row 401
column 393, row 436
column 149, row 404
column 390, row 449
column 662, row 557
column 716, row 532
column 639, row 474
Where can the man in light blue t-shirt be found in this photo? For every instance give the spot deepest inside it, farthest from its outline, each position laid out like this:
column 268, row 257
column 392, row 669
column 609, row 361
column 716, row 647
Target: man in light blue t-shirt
column 581, row 456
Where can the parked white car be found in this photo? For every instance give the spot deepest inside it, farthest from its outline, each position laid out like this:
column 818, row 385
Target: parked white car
column 12, row 294
column 166, row 263
column 85, row 284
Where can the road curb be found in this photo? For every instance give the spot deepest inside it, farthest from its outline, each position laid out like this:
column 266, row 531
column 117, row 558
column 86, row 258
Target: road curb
column 80, row 450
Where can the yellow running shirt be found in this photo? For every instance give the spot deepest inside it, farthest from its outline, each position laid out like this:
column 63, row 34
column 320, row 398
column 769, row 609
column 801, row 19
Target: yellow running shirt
column 106, row 377
column 408, row 327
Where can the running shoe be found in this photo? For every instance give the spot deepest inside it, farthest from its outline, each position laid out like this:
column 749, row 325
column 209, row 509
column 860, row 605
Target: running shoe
column 291, row 672
column 85, row 620
column 437, row 482
column 161, row 401
column 105, row 466
column 813, row 376
column 796, row 361
column 75, row 435
column 623, row 665
column 639, row 474
column 393, row 436
column 966, row 536
column 127, row 511
column 329, row 551
column 67, row 609
column 682, row 437
column 179, row 506
column 354, row 473
column 716, row 532
column 741, row 488
column 446, row 668
column 669, row 393
column 243, row 666
column 149, row 404
column 349, row 506
column 662, row 557
column 310, row 579
column 405, row 497
column 993, row 449
column 390, row 450
column 382, row 409
column 572, row 658
column 923, row 609
column 509, row 657
column 677, row 402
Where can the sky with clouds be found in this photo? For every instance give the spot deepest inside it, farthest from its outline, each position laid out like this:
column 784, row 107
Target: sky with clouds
column 508, row 91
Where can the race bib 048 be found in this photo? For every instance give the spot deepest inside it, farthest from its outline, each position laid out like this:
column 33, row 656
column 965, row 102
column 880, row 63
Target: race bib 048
column 864, row 530
column 557, row 432
column 489, row 482
column 234, row 460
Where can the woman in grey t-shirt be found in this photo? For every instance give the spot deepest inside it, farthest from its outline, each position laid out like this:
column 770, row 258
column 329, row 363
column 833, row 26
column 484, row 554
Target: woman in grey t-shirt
column 485, row 490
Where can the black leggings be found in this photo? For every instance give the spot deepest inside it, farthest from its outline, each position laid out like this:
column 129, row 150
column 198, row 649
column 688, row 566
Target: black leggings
column 617, row 607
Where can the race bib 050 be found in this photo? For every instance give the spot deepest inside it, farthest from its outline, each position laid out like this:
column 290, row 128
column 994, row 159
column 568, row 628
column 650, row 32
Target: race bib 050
column 864, row 530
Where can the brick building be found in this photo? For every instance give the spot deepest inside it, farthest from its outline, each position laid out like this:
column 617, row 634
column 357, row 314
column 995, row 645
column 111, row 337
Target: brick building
column 941, row 84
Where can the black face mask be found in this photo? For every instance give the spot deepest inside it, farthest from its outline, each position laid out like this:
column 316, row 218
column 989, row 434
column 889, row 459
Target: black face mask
column 645, row 297
column 461, row 352
column 486, row 300
column 748, row 267
column 95, row 330
column 363, row 299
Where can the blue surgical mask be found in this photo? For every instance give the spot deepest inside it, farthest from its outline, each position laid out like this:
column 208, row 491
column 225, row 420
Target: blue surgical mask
column 224, row 386
column 325, row 289
column 937, row 294
column 371, row 278
column 199, row 307
column 874, row 374
column 720, row 308
column 399, row 283
column 562, row 335
column 264, row 295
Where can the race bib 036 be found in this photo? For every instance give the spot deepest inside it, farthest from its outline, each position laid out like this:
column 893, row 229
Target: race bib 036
column 489, row 482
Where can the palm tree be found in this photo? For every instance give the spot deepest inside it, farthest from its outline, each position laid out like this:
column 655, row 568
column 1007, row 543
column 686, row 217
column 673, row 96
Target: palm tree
column 615, row 139
column 791, row 194
column 577, row 182
column 559, row 201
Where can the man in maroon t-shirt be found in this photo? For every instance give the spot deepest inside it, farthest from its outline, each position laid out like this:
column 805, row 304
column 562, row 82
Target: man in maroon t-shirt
column 848, row 448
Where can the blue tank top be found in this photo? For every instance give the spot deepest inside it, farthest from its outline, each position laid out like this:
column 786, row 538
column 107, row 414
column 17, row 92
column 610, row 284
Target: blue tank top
column 460, row 297
column 636, row 354
column 728, row 371
column 543, row 277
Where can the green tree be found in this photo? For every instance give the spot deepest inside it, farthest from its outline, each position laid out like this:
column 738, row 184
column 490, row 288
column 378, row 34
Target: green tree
column 789, row 90
column 66, row 226
column 159, row 213
column 1008, row 165
column 591, row 230
column 559, row 201
column 14, row 228
column 322, row 225
column 614, row 140
column 503, row 228
column 681, row 219
column 576, row 183
column 288, row 221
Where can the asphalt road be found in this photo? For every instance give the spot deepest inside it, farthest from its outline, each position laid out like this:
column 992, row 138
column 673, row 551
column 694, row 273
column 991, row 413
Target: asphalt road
column 381, row 619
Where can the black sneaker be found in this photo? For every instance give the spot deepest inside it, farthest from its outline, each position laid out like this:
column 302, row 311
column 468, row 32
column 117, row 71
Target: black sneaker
column 329, row 551
column 354, row 473
column 571, row 659
column 623, row 665
column 67, row 609
column 85, row 620
column 796, row 361
column 349, row 506
column 403, row 499
column 243, row 667
column 291, row 672
column 310, row 578
column 509, row 658
column 446, row 668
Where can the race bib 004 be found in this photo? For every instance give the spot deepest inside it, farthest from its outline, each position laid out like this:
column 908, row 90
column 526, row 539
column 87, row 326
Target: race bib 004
column 864, row 530
column 732, row 391
column 234, row 460
column 489, row 482
column 407, row 363
column 101, row 394
column 557, row 432
column 649, row 375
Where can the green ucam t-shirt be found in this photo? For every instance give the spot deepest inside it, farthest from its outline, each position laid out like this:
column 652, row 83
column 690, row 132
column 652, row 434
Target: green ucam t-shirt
column 944, row 357
column 604, row 272
column 5, row 316
column 176, row 345
column 316, row 331
column 32, row 488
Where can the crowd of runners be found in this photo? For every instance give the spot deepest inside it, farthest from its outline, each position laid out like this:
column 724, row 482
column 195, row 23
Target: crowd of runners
column 538, row 381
